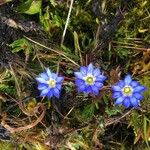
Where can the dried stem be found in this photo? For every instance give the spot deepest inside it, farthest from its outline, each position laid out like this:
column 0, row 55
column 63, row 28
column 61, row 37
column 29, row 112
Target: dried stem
column 67, row 21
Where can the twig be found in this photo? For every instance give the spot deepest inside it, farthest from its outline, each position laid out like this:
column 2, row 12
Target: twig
column 57, row 110
column 15, row 78
column 69, row 113
column 67, row 21
column 136, row 48
column 58, row 64
column 117, row 119
column 53, row 50
column 29, row 126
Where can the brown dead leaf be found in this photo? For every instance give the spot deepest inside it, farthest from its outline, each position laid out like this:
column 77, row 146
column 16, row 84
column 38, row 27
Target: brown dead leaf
column 142, row 66
column 115, row 75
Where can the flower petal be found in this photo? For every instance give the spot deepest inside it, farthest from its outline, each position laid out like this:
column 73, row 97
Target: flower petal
column 134, row 102
column 44, row 76
column 116, row 88
column 138, row 96
column 134, row 83
column 54, row 76
column 139, row 89
column 95, row 90
column 121, row 83
column 41, row 80
column 126, row 102
column 49, row 94
column 100, row 78
column 79, row 82
column 58, row 86
column 127, row 79
column 81, row 88
column 44, row 92
column 42, row 86
column 59, row 79
column 98, row 84
column 56, row 92
column 48, row 72
column 78, row 75
column 83, row 70
column 119, row 100
column 116, row 95
column 96, row 72
column 88, row 89
column 90, row 68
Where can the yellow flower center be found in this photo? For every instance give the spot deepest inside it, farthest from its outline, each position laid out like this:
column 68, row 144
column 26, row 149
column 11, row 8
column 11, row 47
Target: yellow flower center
column 52, row 83
column 127, row 90
column 90, row 79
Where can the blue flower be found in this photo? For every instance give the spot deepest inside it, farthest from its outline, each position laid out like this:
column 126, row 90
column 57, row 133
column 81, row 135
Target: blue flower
column 128, row 92
column 89, row 79
column 49, row 84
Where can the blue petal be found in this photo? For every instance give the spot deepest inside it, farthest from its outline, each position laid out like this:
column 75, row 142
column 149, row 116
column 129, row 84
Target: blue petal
column 100, row 78
column 54, row 76
column 134, row 84
column 49, row 94
column 42, row 86
column 126, row 102
column 60, row 79
column 83, row 70
column 95, row 90
column 134, row 102
column 88, row 89
column 41, row 80
column 119, row 100
column 81, row 88
column 90, row 68
column 128, row 79
column 58, row 86
column 48, row 72
column 44, row 76
column 96, row 72
column 78, row 75
column 121, row 83
column 116, row 88
column 116, row 95
column 44, row 92
column 79, row 82
column 56, row 92
column 138, row 96
column 139, row 88
column 98, row 84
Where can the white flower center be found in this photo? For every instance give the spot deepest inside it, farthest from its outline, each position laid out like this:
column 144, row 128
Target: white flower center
column 127, row 90
column 51, row 83
column 89, row 79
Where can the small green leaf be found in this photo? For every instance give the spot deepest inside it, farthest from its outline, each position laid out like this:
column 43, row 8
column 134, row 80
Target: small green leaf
column 145, row 130
column 53, row 2
column 88, row 112
column 112, row 111
column 34, row 7
column 21, row 44
column 30, row 7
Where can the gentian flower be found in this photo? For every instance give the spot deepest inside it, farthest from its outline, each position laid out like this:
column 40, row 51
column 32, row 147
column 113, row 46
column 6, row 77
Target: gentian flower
column 128, row 92
column 89, row 79
column 49, row 84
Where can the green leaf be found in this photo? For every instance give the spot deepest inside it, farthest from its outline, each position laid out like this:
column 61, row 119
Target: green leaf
column 30, row 7
column 76, row 43
column 112, row 111
column 4, row 88
column 24, row 6
column 53, row 2
column 21, row 44
column 145, row 125
column 88, row 112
